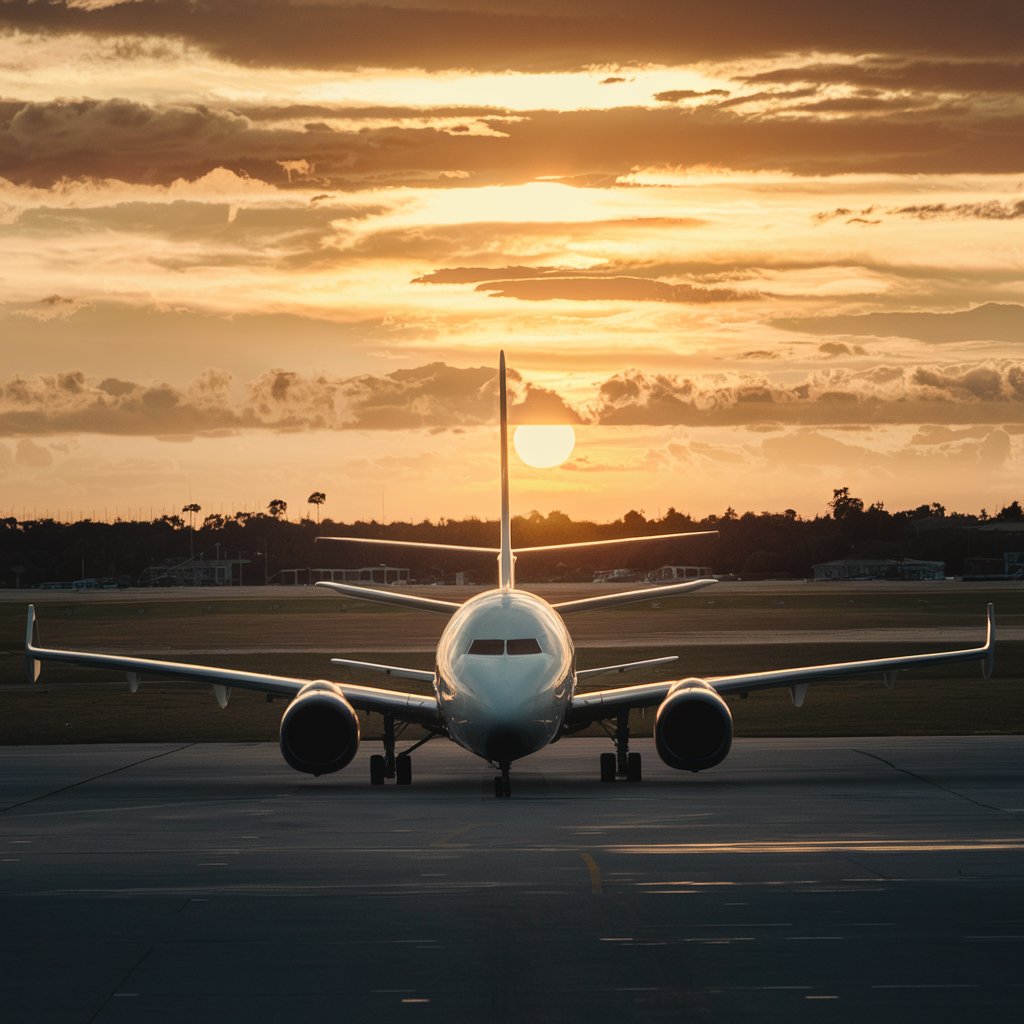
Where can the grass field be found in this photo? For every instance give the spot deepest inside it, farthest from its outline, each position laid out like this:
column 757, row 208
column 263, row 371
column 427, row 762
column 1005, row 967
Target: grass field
column 297, row 631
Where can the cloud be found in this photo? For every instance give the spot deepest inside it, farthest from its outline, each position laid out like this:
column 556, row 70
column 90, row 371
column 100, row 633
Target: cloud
column 675, row 95
column 985, row 392
column 30, row 455
column 608, row 289
column 961, row 76
column 988, row 210
column 532, row 34
column 435, row 396
column 990, row 322
column 44, row 143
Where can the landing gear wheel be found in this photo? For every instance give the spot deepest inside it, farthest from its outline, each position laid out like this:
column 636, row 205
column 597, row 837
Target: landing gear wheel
column 376, row 769
column 608, row 767
column 403, row 770
column 633, row 768
column 499, row 788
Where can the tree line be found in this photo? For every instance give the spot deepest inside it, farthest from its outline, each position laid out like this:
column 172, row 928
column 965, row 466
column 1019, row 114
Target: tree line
column 748, row 544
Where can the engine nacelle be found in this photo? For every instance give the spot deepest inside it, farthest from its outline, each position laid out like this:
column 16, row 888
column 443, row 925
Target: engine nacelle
column 319, row 730
column 693, row 727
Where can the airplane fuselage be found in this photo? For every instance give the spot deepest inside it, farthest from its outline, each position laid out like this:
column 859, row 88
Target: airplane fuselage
column 504, row 674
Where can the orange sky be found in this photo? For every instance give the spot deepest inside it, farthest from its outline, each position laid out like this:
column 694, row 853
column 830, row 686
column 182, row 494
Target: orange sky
column 754, row 252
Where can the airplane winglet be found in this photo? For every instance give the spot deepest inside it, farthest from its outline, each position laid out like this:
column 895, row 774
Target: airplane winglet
column 990, row 643
column 33, row 666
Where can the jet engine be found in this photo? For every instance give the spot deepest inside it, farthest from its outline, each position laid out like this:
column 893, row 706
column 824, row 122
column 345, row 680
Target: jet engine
column 319, row 730
column 693, row 727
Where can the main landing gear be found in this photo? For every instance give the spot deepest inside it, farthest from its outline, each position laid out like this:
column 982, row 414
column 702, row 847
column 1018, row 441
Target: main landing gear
column 622, row 764
column 502, row 782
column 389, row 765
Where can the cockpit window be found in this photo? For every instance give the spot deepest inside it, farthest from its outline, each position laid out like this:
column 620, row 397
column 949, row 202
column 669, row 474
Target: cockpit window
column 526, row 645
column 491, row 647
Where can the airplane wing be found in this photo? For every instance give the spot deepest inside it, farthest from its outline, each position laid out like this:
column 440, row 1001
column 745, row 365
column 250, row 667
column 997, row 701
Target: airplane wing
column 600, row 704
column 408, row 707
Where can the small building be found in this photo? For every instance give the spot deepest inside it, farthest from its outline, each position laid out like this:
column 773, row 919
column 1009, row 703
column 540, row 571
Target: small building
column 880, row 569
column 386, row 575
column 195, row 572
column 616, row 576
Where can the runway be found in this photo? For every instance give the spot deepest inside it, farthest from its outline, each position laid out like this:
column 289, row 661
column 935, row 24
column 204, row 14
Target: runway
column 815, row 879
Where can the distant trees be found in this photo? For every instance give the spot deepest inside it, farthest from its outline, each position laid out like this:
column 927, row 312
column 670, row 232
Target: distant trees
column 317, row 498
column 844, row 505
column 752, row 543
column 1013, row 513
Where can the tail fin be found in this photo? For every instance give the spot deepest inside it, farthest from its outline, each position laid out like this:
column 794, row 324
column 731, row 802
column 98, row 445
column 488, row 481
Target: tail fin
column 506, row 558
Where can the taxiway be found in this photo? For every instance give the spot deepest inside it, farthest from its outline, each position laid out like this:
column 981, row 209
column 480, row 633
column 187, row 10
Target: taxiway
column 801, row 880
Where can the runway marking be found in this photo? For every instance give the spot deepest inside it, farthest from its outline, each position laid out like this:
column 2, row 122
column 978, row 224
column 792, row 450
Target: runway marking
column 446, row 840
column 594, row 871
column 926, row 986
column 830, row 846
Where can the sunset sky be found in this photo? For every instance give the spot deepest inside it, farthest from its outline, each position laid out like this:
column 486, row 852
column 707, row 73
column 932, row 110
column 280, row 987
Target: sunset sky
column 251, row 249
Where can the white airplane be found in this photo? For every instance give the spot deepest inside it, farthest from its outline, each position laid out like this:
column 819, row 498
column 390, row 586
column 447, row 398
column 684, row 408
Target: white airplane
column 505, row 683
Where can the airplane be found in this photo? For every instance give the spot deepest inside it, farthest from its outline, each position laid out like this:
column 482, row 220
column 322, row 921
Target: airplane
column 505, row 683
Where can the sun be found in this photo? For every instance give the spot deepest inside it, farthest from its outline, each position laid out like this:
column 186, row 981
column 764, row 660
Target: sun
column 546, row 446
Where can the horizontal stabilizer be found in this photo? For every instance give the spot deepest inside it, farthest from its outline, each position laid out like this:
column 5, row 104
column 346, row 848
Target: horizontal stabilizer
column 615, row 540
column 413, row 544
column 393, row 597
column 517, row 551
column 399, row 671
column 587, row 604
column 626, row 666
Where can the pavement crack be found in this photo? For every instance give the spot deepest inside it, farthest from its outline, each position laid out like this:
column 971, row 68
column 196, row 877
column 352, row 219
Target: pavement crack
column 93, row 778
column 127, row 974
column 934, row 784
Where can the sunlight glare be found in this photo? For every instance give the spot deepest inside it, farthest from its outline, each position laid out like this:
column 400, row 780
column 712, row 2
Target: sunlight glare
column 544, row 446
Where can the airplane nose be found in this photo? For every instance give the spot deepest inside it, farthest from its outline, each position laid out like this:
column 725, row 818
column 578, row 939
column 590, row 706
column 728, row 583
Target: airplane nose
column 507, row 743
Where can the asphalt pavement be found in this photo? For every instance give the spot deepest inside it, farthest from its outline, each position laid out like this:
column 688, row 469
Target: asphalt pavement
column 801, row 880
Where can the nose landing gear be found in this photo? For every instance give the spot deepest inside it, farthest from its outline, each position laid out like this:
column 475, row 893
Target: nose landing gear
column 502, row 782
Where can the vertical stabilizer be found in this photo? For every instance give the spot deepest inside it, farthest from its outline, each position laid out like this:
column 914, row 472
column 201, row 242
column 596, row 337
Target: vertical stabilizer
column 506, row 560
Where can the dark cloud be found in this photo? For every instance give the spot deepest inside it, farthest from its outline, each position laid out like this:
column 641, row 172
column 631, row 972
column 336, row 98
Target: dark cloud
column 538, row 36
column 675, row 95
column 990, row 393
column 763, row 97
column 585, row 289
column 471, row 275
column 835, row 350
column 42, row 143
column 988, row 210
column 441, row 397
column 993, row 76
column 435, row 396
column 991, row 322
